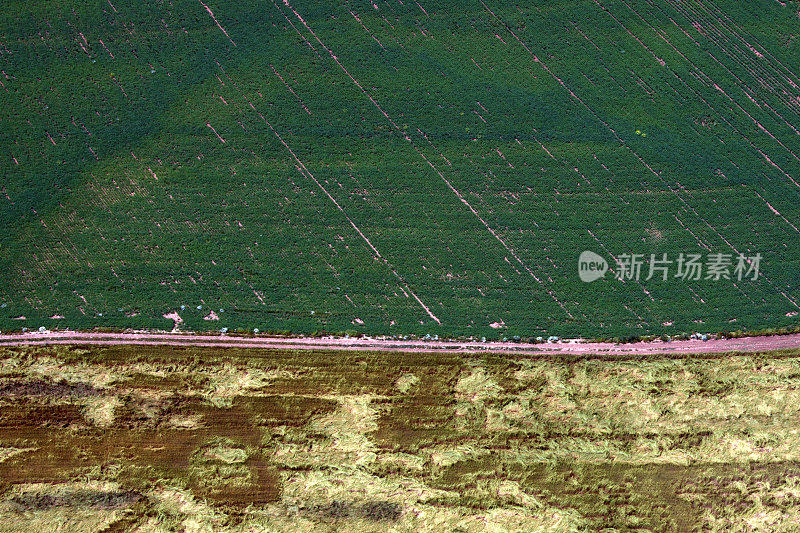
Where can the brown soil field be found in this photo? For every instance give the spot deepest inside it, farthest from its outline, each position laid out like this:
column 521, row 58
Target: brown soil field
column 183, row 438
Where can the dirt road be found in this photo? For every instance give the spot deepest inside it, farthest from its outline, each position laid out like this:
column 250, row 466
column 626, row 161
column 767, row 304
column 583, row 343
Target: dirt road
column 748, row 344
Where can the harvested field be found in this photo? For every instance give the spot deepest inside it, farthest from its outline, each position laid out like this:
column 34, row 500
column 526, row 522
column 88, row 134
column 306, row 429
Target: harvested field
column 141, row 438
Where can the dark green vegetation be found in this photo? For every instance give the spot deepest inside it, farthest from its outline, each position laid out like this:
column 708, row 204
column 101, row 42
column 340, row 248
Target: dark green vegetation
column 153, row 439
column 451, row 161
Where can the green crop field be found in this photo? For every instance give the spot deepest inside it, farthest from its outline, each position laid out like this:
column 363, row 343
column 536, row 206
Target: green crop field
column 396, row 167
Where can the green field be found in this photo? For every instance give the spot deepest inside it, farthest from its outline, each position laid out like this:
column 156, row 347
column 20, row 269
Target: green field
column 182, row 439
column 396, row 168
